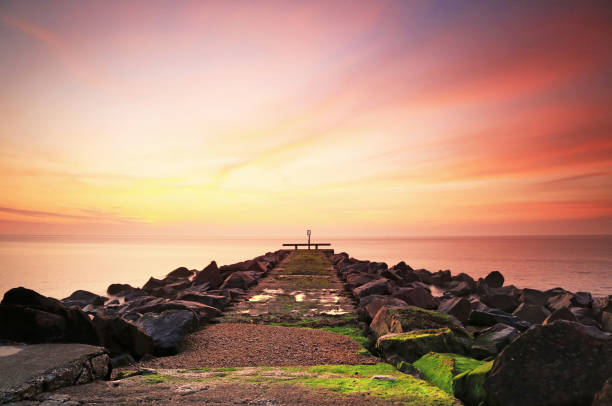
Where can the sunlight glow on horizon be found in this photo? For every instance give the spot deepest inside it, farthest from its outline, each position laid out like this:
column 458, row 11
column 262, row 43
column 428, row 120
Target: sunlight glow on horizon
column 387, row 118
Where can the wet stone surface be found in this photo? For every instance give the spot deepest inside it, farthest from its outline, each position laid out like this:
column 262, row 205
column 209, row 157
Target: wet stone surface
column 304, row 290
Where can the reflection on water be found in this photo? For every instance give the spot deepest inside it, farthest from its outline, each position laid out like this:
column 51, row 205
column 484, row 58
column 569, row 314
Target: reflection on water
column 56, row 266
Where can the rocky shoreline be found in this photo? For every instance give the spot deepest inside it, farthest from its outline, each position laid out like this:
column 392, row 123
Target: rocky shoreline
column 483, row 342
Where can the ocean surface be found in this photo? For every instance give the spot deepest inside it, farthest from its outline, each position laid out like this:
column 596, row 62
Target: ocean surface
column 58, row 265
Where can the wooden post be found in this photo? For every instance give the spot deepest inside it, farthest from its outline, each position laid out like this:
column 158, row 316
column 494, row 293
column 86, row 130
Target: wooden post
column 308, row 233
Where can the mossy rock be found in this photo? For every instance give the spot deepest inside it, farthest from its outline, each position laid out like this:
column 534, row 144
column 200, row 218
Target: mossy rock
column 411, row 346
column 441, row 368
column 400, row 320
column 469, row 385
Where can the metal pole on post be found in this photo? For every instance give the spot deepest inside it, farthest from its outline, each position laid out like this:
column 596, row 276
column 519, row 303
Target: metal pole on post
column 308, row 233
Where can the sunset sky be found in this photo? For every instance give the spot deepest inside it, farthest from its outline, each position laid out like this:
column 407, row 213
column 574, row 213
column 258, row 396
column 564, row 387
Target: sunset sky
column 265, row 118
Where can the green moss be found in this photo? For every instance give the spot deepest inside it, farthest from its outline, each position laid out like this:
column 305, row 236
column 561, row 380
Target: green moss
column 417, row 334
column 469, row 385
column 440, row 369
column 124, row 374
column 157, row 379
column 306, row 263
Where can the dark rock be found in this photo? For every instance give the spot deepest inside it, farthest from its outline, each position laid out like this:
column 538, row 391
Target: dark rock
column 216, row 301
column 122, row 360
column 503, row 301
column 562, row 314
column 168, row 329
column 424, row 275
column 441, row 278
column 375, row 287
column 495, row 279
column 138, row 293
column 582, row 299
column 113, row 302
column 602, row 304
column 372, row 304
column 26, row 316
column 563, row 363
column 240, row 279
column 204, row 311
column 585, row 316
column 245, row 266
column 153, row 283
column 120, row 289
column 82, row 298
column 399, row 320
column 354, row 280
column 210, row 274
column 490, row 317
column 492, row 340
column 606, row 321
column 418, row 297
column 121, row 336
column 560, row 301
column 532, row 313
column 458, row 307
column 463, row 277
column 533, row 296
column 178, row 274
column 459, row 289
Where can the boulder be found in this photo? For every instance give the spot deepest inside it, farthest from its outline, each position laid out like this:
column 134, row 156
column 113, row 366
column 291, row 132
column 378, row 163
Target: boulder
column 178, row 274
column 490, row 317
column 441, row 278
column 494, row 279
column 582, row 299
column 153, row 283
column 120, row 289
column 399, row 320
column 410, row 346
column 459, row 307
column 168, row 329
column 562, row 314
column 585, row 315
column 492, row 340
column 205, row 312
column 82, row 298
column 424, row 275
column 210, row 274
column 533, row 296
column 563, row 363
column 245, row 266
column 122, row 336
column 602, row 304
column 459, row 289
column 503, row 301
column 26, row 316
column 375, row 287
column 241, row 280
column 532, row 313
column 354, row 280
column 418, row 297
column 216, row 301
column 469, row 385
column 372, row 304
column 441, row 368
column 560, row 301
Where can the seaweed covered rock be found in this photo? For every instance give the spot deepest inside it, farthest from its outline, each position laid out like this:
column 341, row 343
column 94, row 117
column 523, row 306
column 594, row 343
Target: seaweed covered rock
column 563, row 363
column 469, row 385
column 408, row 347
column 399, row 320
column 441, row 368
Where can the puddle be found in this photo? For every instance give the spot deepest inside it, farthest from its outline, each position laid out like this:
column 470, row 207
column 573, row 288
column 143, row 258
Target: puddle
column 300, row 297
column 260, row 298
column 335, row 312
column 329, row 299
column 436, row 291
column 274, row 291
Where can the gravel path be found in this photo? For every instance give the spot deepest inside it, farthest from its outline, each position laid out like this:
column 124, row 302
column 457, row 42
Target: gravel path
column 238, row 344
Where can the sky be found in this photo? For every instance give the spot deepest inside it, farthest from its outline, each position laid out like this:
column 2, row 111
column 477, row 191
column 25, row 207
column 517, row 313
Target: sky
column 240, row 118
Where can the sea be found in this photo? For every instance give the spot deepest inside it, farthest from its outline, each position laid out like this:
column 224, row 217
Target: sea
column 58, row 265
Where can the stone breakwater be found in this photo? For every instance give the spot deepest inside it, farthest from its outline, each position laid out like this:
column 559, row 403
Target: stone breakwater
column 480, row 341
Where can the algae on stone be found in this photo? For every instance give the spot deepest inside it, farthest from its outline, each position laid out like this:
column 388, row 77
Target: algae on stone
column 441, row 368
column 411, row 346
column 400, row 320
column 469, row 385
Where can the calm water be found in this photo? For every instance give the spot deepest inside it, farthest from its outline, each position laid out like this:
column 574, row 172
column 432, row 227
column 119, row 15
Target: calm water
column 56, row 266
